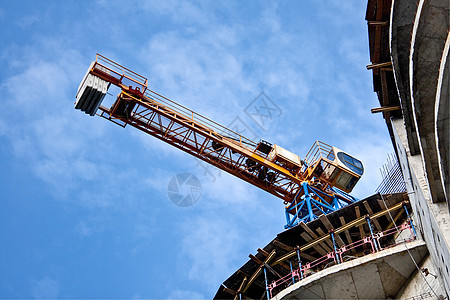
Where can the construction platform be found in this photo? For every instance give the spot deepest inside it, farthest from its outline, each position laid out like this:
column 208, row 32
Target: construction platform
column 367, row 236
column 376, row 276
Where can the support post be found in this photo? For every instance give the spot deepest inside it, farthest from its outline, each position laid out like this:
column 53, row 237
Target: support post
column 371, row 234
column 308, row 201
column 288, row 218
column 410, row 222
column 299, row 264
column 292, row 272
column 267, row 286
column 335, row 203
column 336, row 254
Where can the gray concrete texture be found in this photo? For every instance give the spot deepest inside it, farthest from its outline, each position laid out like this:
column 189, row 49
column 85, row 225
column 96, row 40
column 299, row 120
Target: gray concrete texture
column 425, row 284
column 420, row 42
column 400, row 29
column 418, row 34
column 432, row 219
column 429, row 34
column 442, row 118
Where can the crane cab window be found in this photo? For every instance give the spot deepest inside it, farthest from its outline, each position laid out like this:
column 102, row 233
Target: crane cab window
column 352, row 163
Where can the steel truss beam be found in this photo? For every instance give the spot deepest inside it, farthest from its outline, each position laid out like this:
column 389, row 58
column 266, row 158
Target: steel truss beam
column 183, row 133
column 156, row 115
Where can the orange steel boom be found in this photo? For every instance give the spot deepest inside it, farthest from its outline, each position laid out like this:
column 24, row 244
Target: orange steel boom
column 140, row 107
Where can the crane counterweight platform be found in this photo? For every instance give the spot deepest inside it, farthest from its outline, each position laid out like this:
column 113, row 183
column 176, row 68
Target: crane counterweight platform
column 318, row 184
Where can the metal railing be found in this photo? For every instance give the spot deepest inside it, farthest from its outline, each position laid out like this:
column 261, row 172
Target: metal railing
column 317, row 151
column 122, row 74
column 199, row 119
column 129, row 78
column 377, row 242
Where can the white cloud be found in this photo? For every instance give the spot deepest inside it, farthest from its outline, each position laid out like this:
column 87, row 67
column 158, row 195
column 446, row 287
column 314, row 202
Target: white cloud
column 231, row 220
column 210, row 247
column 192, row 53
column 372, row 150
column 270, row 18
column 185, row 294
column 203, row 74
column 28, row 20
column 83, row 229
column 334, row 10
column 45, row 288
column 62, row 146
column 182, row 12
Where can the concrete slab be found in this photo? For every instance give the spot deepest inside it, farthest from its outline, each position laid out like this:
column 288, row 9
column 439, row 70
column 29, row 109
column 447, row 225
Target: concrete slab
column 397, row 264
column 391, row 279
column 338, row 288
column 372, row 276
column 420, row 284
column 367, row 289
column 315, row 291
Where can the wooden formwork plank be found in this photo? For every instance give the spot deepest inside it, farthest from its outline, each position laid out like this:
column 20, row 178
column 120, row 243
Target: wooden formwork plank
column 362, row 232
column 283, row 265
column 315, row 236
column 329, row 242
column 241, row 286
column 347, row 233
column 317, row 247
column 258, row 271
column 327, row 224
column 282, row 245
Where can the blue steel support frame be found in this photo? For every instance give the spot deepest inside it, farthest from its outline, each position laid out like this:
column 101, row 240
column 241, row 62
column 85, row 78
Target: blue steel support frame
column 292, row 272
column 336, row 254
column 410, row 221
column 372, row 235
column 267, row 286
column 312, row 204
column 299, row 263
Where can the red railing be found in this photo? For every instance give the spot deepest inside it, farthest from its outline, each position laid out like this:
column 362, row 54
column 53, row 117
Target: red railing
column 317, row 151
column 376, row 242
column 117, row 73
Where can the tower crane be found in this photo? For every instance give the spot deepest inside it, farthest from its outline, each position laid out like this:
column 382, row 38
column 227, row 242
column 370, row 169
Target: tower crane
column 318, row 184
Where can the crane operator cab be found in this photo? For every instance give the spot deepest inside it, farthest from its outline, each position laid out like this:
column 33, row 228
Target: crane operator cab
column 333, row 167
column 324, row 166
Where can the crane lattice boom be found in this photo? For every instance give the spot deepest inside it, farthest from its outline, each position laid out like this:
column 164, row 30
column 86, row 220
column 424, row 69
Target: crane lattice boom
column 262, row 164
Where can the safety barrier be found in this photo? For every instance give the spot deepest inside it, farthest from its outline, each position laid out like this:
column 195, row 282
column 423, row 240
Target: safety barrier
column 377, row 242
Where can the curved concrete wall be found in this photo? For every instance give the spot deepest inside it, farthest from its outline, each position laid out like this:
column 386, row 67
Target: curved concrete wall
column 421, row 65
column 427, row 44
column 401, row 23
column 442, row 121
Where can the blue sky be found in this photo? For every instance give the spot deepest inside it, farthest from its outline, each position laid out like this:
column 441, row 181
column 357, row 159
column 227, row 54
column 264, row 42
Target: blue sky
column 84, row 205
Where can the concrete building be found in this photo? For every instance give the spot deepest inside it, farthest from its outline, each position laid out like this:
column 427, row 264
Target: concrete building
column 371, row 249
column 409, row 50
